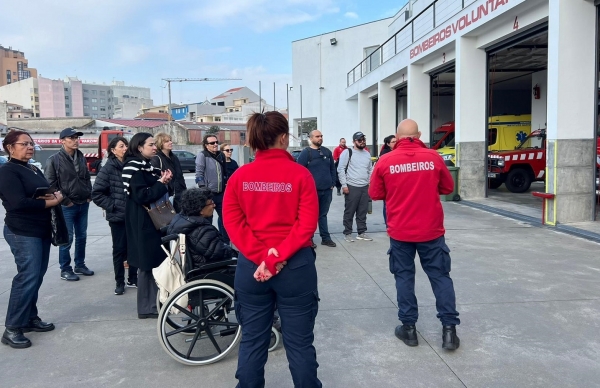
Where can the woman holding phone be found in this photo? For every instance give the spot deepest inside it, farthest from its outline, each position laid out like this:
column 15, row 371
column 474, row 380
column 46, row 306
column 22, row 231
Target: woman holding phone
column 27, row 231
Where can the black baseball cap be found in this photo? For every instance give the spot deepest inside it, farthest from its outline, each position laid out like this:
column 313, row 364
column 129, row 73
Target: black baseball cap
column 357, row 136
column 68, row 132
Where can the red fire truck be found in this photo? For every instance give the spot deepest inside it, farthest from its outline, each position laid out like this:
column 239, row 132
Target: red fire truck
column 521, row 166
column 93, row 159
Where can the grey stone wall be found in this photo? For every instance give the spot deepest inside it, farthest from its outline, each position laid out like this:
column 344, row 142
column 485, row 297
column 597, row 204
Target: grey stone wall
column 571, row 178
column 471, row 158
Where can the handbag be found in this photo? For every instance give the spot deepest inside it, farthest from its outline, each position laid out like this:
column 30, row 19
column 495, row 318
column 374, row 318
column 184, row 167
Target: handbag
column 60, row 233
column 161, row 212
column 169, row 274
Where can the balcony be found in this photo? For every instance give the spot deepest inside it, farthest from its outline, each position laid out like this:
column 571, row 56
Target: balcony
column 430, row 14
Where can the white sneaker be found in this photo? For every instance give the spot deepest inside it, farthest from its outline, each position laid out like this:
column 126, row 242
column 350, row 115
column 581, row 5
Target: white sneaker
column 363, row 236
column 348, row 238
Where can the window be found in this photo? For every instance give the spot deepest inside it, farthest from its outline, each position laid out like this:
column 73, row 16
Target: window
column 94, row 100
column 86, row 114
column 66, row 89
column 94, row 108
column 35, row 90
column 37, row 99
column 109, row 100
column 94, row 92
column 492, row 136
column 85, row 99
column 227, row 135
column 222, row 103
column 68, row 114
column 102, row 93
column 37, row 107
column 242, row 137
column 94, row 116
column 86, row 107
column 102, row 100
column 103, row 116
column 67, row 106
column 85, row 90
column 102, row 109
column 66, row 97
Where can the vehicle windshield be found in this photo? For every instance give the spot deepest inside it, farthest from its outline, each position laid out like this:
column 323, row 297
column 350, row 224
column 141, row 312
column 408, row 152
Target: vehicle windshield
column 531, row 141
column 437, row 136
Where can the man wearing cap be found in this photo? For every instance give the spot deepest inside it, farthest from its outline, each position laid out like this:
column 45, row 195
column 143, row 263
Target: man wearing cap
column 67, row 171
column 354, row 171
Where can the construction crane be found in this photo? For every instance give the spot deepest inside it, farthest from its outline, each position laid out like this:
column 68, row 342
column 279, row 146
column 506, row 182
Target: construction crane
column 169, row 80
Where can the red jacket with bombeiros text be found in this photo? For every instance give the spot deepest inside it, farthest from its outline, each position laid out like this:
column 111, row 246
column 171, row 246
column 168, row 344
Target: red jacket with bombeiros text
column 271, row 203
column 410, row 179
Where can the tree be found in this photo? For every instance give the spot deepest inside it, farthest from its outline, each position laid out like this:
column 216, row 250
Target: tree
column 308, row 126
column 213, row 130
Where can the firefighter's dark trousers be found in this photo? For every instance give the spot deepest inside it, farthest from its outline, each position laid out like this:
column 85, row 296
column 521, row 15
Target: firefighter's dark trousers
column 435, row 260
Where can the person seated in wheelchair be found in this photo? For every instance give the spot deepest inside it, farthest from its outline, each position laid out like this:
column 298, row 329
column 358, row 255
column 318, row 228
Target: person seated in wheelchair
column 203, row 241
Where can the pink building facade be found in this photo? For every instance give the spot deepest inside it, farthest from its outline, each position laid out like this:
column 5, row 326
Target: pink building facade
column 52, row 97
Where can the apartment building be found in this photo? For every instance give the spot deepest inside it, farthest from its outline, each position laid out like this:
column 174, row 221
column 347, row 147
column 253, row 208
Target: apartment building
column 14, row 66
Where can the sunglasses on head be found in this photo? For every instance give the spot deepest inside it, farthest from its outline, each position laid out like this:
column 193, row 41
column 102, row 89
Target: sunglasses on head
column 212, row 142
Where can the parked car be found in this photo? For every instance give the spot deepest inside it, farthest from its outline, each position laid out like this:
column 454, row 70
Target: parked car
column 4, row 159
column 295, row 154
column 187, row 160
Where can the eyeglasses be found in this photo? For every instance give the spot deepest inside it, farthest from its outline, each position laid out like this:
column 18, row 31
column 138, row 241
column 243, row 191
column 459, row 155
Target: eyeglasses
column 227, row 150
column 211, row 203
column 27, row 144
column 212, row 142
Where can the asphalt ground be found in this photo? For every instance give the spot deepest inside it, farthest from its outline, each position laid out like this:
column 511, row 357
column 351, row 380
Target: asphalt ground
column 528, row 297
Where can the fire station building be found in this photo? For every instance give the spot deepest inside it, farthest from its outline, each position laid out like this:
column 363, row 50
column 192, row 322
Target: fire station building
column 478, row 67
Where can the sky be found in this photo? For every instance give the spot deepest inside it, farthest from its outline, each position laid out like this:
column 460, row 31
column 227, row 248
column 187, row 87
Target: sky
column 142, row 41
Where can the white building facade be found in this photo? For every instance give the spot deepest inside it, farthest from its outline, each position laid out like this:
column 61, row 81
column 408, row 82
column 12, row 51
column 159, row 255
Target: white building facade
column 465, row 61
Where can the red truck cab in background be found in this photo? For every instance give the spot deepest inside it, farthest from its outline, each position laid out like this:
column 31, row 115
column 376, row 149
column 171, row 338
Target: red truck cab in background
column 94, row 160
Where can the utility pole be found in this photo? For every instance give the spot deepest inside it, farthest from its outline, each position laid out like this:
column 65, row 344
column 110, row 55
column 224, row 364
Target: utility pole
column 169, row 80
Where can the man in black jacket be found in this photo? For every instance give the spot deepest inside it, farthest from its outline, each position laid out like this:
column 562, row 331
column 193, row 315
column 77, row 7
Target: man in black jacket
column 67, row 171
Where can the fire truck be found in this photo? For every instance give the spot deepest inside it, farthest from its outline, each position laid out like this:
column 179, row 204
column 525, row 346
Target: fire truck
column 99, row 140
column 519, row 167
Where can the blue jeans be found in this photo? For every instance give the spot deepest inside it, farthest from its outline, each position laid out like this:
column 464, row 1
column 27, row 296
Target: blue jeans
column 31, row 256
column 76, row 217
column 435, row 260
column 294, row 292
column 324, row 203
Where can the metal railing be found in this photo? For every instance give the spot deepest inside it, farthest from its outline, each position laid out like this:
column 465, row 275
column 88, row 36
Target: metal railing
column 426, row 21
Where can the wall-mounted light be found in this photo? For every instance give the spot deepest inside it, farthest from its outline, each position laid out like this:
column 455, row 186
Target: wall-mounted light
column 333, row 41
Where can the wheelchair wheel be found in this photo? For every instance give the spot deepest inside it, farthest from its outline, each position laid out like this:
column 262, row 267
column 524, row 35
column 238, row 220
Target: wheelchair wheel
column 275, row 339
column 176, row 321
column 209, row 314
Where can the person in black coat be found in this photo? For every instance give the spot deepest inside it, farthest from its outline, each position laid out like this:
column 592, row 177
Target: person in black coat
column 203, row 240
column 109, row 194
column 230, row 164
column 165, row 159
column 388, row 144
column 144, row 185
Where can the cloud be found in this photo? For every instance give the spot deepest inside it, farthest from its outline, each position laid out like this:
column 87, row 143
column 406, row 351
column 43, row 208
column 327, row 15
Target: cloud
column 130, row 54
column 263, row 15
column 351, row 15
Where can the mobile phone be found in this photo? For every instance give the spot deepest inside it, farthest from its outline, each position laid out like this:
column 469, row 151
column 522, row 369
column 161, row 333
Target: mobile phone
column 41, row 191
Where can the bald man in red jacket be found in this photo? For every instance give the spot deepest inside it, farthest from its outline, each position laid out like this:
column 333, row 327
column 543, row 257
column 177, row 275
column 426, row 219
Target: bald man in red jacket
column 410, row 179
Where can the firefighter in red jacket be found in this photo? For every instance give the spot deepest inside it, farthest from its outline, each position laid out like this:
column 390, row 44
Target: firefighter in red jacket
column 410, row 179
column 270, row 211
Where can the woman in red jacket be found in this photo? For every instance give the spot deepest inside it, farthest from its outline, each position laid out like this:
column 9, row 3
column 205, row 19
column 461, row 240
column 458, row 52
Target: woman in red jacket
column 271, row 210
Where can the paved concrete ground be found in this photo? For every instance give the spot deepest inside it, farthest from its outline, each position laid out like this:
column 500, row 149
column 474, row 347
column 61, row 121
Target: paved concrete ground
column 529, row 300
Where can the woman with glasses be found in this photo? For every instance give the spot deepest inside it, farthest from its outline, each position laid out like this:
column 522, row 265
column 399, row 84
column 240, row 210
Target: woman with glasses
column 230, row 164
column 165, row 159
column 109, row 194
column 271, row 211
column 388, row 145
column 203, row 240
column 27, row 231
column 144, row 185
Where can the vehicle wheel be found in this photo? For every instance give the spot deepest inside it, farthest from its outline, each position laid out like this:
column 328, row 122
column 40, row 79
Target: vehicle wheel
column 494, row 183
column 518, row 180
column 456, row 197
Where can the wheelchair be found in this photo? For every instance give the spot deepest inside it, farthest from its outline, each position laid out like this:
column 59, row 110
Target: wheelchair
column 197, row 323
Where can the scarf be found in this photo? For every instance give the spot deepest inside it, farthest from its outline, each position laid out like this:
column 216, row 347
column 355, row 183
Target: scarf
column 133, row 165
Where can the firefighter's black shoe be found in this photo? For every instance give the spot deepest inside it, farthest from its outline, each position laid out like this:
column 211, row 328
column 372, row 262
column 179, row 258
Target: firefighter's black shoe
column 449, row 337
column 408, row 334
